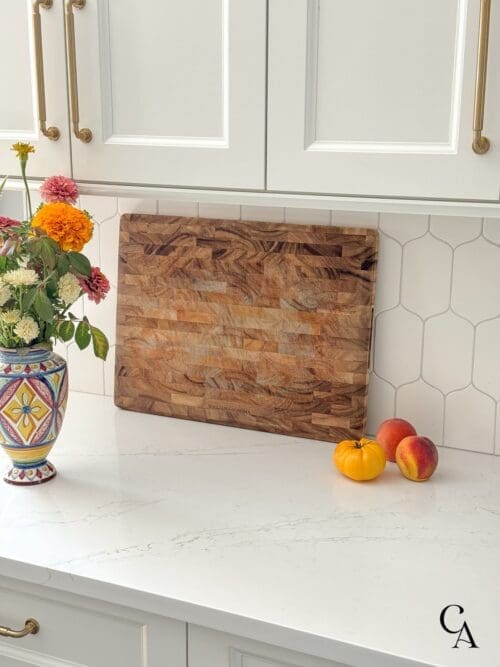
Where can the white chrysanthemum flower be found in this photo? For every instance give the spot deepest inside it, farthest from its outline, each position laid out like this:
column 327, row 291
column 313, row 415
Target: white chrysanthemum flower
column 10, row 316
column 4, row 294
column 20, row 277
column 27, row 329
column 69, row 288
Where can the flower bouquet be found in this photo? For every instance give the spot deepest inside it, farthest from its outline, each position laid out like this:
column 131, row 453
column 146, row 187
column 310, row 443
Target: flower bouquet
column 42, row 273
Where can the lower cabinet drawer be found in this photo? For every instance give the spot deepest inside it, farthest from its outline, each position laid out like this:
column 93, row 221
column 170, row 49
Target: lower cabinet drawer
column 208, row 648
column 76, row 632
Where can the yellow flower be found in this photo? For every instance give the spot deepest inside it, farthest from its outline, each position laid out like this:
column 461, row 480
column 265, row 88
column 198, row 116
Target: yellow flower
column 22, row 149
column 67, row 225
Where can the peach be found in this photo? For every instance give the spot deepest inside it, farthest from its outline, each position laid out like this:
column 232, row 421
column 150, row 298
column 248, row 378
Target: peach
column 390, row 433
column 417, row 457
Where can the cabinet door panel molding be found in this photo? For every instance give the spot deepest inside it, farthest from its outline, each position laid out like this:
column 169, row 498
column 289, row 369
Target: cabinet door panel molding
column 79, row 632
column 172, row 100
column 16, row 656
column 28, row 87
column 378, row 99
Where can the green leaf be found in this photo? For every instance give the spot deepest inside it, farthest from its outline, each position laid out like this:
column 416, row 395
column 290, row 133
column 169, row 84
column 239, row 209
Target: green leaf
column 62, row 265
column 48, row 253
column 66, row 330
column 82, row 335
column 28, row 298
column 35, row 246
column 79, row 262
column 50, row 331
column 100, row 342
column 3, row 263
column 43, row 307
column 53, row 244
column 51, row 287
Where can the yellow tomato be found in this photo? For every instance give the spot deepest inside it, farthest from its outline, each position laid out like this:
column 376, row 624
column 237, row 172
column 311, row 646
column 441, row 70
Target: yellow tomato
column 360, row 460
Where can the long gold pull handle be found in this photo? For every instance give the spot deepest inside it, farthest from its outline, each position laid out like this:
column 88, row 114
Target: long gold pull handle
column 480, row 144
column 84, row 134
column 31, row 627
column 49, row 132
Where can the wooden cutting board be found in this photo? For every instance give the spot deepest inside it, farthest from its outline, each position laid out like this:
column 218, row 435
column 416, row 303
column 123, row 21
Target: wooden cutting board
column 250, row 324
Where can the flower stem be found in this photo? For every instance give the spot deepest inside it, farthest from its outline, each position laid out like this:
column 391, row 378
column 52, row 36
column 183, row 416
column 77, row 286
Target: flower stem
column 28, row 196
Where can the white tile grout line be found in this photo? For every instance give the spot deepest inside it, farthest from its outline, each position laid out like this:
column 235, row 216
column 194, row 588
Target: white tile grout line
column 424, row 321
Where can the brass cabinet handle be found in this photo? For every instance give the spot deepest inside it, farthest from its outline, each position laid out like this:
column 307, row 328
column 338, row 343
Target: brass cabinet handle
column 49, row 132
column 481, row 144
column 84, row 134
column 31, row 627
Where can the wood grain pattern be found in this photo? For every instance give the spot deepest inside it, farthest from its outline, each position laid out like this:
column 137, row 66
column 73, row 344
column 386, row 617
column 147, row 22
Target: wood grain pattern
column 251, row 324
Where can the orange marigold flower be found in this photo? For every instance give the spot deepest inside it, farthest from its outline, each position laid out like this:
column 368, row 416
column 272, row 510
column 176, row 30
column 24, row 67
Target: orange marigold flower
column 67, row 225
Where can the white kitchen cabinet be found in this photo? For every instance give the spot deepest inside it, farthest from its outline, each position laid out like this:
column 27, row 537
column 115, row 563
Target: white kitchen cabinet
column 173, row 92
column 377, row 98
column 208, row 648
column 368, row 99
column 76, row 632
column 22, row 77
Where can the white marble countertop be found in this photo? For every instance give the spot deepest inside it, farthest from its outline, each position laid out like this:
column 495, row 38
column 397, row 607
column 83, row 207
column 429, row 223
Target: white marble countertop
column 256, row 534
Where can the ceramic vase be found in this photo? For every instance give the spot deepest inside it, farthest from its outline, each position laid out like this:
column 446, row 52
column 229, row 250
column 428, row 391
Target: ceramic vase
column 33, row 396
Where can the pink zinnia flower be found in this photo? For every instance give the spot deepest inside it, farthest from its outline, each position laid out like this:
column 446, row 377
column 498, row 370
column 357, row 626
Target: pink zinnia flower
column 96, row 286
column 59, row 189
column 8, row 223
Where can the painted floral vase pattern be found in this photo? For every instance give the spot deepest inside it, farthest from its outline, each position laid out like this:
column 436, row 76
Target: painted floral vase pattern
column 33, row 396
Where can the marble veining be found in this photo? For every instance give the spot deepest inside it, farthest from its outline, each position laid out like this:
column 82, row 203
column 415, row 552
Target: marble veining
column 256, row 534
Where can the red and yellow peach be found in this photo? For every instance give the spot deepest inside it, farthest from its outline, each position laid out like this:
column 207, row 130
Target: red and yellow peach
column 390, row 434
column 417, row 457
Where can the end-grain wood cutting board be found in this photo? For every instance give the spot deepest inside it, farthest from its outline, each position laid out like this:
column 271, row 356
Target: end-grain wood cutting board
column 251, row 324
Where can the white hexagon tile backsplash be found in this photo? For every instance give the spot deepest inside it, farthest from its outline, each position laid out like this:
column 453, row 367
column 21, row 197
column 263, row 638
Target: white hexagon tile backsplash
column 436, row 346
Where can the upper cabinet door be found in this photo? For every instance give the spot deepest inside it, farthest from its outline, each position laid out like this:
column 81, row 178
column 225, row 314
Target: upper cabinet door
column 377, row 98
column 33, row 81
column 172, row 91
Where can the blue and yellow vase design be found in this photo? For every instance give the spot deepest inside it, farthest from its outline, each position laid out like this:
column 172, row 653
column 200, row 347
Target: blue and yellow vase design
column 33, row 397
